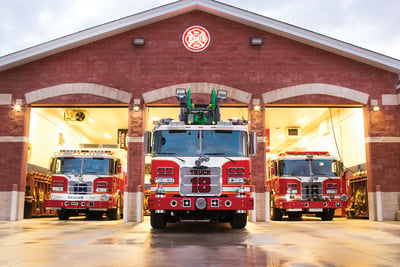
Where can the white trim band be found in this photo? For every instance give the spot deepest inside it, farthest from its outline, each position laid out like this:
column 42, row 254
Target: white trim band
column 382, row 139
column 315, row 88
column 135, row 139
column 14, row 139
column 390, row 100
column 5, row 99
column 260, row 139
column 78, row 88
column 196, row 88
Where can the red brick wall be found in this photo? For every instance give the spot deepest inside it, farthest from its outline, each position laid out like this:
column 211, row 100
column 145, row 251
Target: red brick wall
column 228, row 60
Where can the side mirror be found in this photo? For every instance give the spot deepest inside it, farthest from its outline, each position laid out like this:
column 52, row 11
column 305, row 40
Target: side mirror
column 272, row 171
column 253, row 143
column 147, row 142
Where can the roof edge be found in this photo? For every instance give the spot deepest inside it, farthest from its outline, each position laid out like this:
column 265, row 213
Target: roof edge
column 210, row 6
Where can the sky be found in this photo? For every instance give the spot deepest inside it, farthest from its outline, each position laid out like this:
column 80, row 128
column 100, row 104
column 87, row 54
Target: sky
column 370, row 24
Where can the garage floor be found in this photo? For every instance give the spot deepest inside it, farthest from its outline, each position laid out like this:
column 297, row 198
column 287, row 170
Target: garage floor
column 311, row 242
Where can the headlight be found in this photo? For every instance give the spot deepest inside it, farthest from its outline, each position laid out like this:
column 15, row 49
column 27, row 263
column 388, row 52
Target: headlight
column 101, row 189
column 291, row 191
column 165, row 180
column 57, row 188
column 331, row 191
column 236, row 180
column 105, row 197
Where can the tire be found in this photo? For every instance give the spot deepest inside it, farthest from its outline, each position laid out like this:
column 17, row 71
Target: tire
column 115, row 214
column 157, row 220
column 327, row 215
column 239, row 220
column 276, row 213
column 63, row 214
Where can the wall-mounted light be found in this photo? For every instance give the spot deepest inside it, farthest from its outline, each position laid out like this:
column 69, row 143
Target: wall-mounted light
column 256, row 41
column 256, row 104
column 18, row 105
column 138, row 41
column 136, row 104
column 374, row 104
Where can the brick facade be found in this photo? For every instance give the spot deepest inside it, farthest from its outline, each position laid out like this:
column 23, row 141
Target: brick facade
column 229, row 60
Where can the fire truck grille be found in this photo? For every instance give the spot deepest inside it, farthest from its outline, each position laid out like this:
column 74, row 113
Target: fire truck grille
column 80, row 188
column 200, row 181
column 311, row 191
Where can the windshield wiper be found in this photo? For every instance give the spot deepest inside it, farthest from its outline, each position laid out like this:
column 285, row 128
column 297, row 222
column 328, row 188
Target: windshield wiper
column 170, row 153
column 220, row 154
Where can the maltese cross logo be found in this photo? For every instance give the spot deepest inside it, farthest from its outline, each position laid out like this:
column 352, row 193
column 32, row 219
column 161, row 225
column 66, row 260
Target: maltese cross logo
column 196, row 38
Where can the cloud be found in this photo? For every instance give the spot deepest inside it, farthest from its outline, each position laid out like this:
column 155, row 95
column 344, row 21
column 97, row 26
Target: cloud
column 366, row 23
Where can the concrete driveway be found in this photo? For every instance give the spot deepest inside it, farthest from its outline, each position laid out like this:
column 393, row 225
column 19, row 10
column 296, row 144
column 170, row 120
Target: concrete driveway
column 310, row 242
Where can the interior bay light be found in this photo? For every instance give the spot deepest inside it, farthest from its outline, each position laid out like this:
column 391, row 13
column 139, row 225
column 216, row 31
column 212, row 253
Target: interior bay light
column 107, row 135
column 301, row 120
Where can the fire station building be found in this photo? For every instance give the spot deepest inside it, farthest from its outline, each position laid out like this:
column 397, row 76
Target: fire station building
column 269, row 69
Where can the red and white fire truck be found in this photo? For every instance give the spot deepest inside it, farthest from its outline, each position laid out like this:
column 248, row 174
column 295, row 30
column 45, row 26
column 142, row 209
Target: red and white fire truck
column 88, row 181
column 200, row 168
column 306, row 182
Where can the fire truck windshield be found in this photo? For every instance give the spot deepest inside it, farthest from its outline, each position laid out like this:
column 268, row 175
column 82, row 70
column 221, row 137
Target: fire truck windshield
column 197, row 142
column 316, row 167
column 77, row 165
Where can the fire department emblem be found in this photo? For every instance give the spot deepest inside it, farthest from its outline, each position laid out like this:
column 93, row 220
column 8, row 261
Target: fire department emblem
column 196, row 38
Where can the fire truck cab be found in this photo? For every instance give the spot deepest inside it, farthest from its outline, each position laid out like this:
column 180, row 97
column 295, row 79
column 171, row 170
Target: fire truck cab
column 87, row 181
column 200, row 168
column 306, row 182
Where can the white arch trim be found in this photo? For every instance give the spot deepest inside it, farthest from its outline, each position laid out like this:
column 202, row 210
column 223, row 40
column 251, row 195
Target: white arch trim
column 197, row 88
column 312, row 89
column 78, row 88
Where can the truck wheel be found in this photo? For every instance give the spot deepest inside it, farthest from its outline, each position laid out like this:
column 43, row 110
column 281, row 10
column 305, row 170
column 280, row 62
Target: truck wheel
column 327, row 214
column 157, row 220
column 63, row 214
column 115, row 214
column 239, row 220
column 276, row 213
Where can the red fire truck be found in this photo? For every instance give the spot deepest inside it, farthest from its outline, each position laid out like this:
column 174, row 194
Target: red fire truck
column 88, row 181
column 307, row 182
column 200, row 168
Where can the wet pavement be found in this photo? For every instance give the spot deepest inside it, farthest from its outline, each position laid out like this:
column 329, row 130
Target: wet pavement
column 310, row 242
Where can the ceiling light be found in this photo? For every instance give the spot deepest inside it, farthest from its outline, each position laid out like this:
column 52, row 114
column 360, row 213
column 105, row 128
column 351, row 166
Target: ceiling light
column 301, row 120
column 107, row 135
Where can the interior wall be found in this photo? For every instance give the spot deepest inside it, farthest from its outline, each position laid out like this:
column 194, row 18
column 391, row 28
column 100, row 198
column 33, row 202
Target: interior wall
column 49, row 133
column 344, row 140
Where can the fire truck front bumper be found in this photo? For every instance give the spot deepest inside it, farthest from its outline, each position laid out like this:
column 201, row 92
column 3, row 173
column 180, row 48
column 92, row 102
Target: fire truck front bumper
column 312, row 205
column 200, row 203
column 78, row 204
